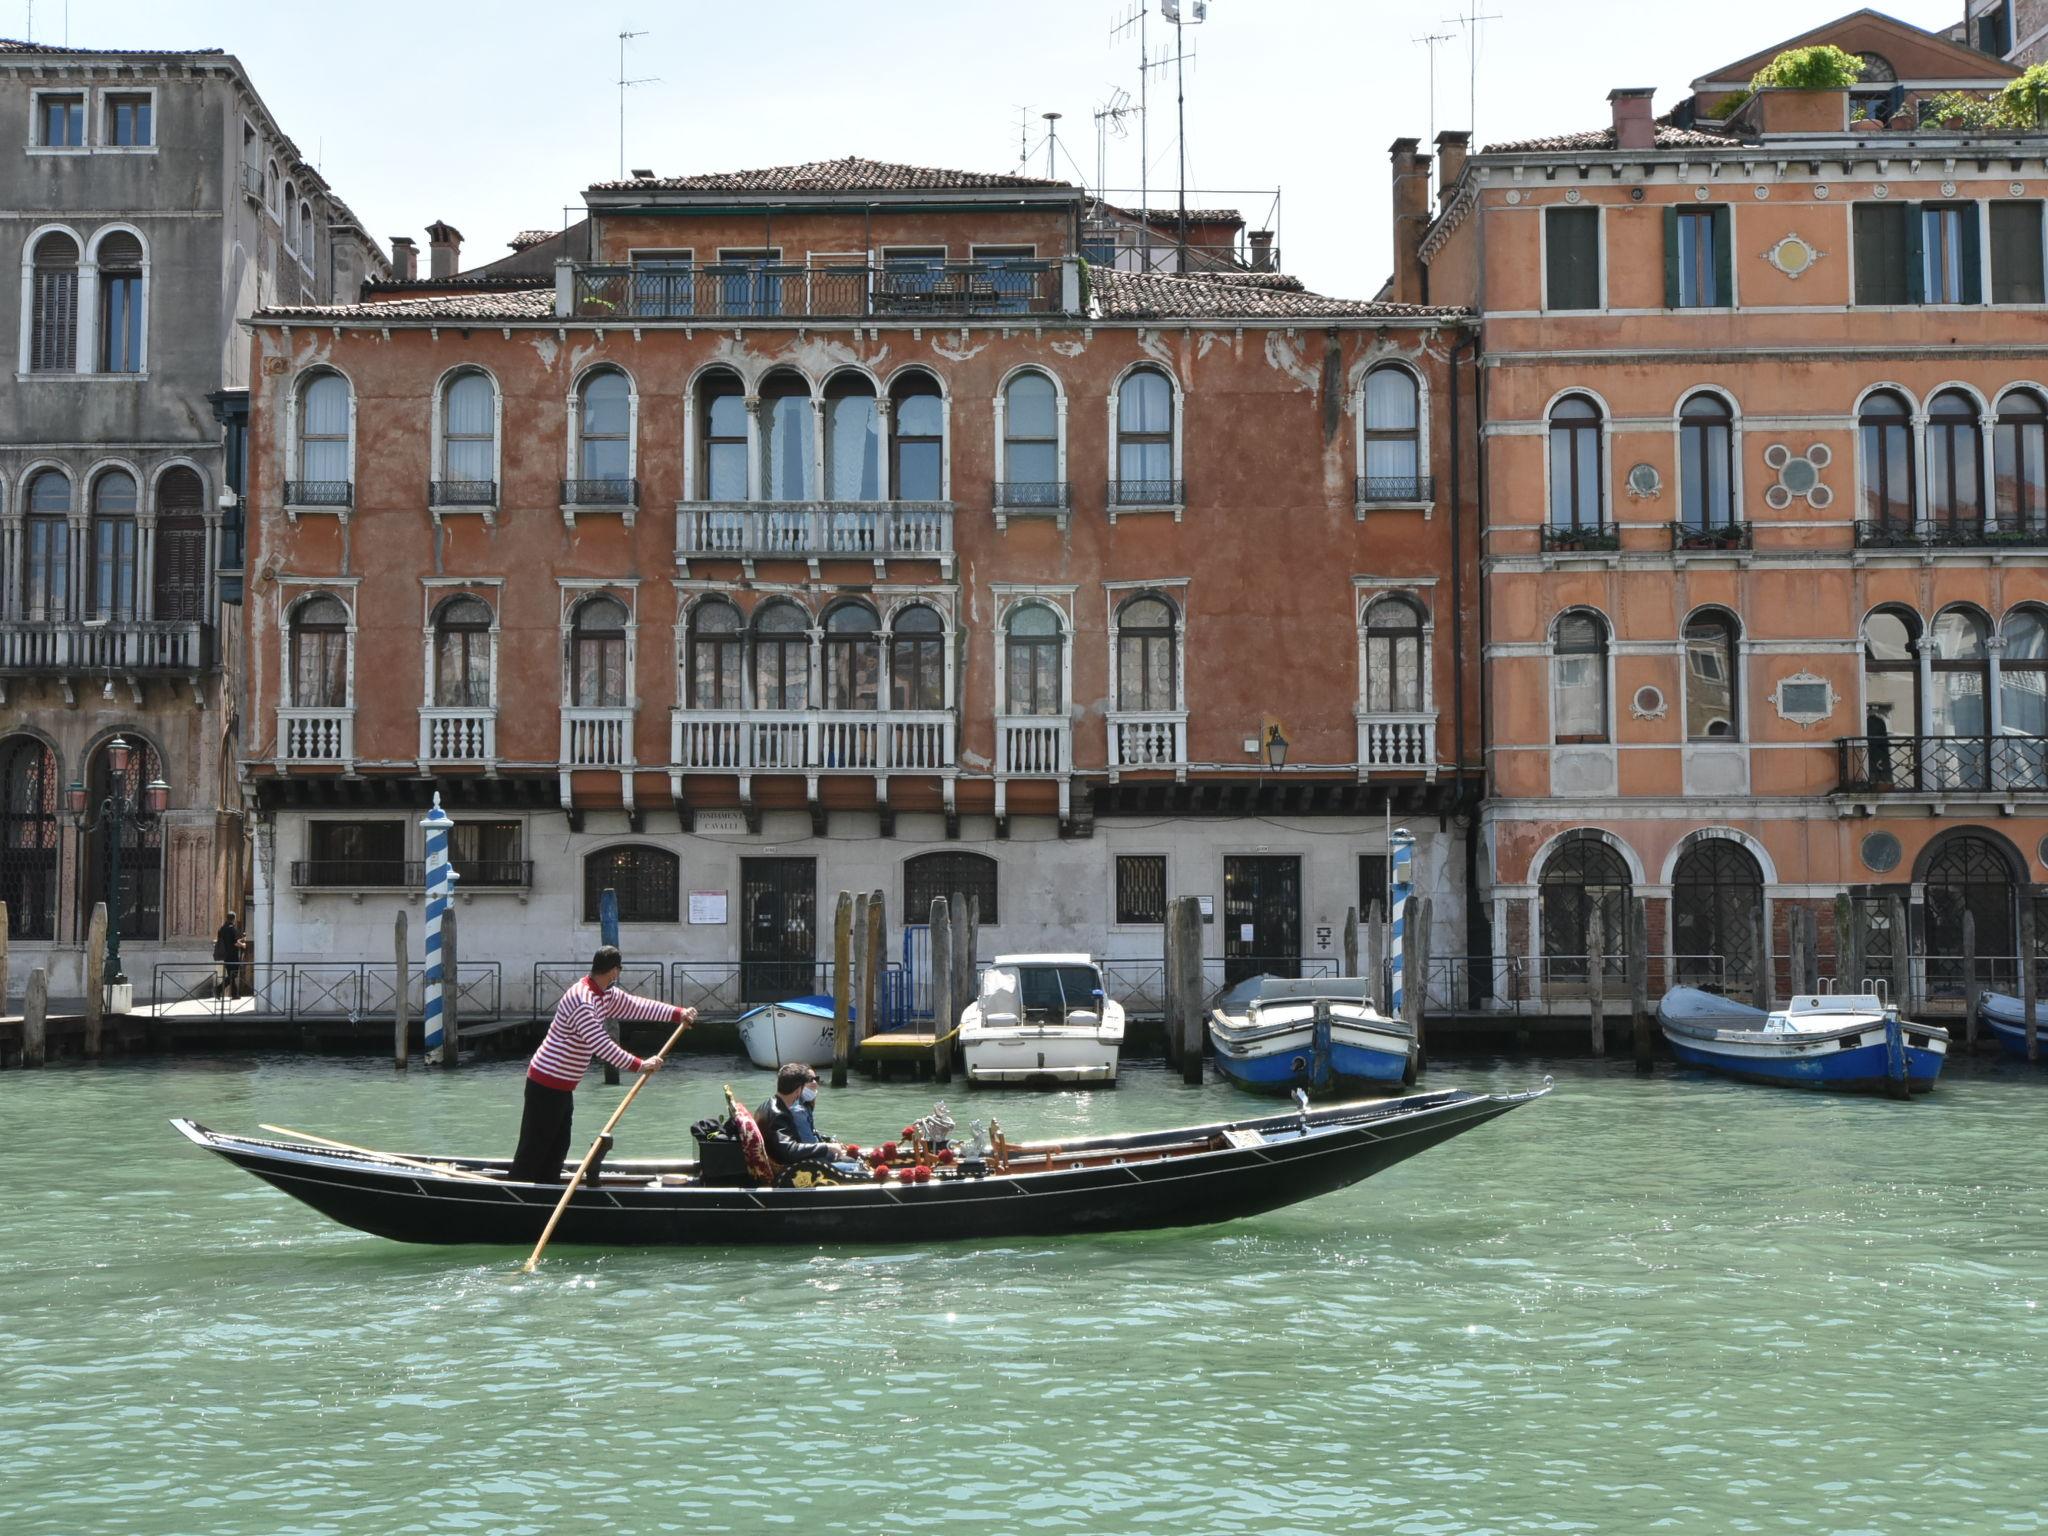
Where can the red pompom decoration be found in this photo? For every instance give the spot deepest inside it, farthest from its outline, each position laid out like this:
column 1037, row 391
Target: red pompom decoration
column 881, row 1174
column 910, row 1133
column 921, row 1175
column 888, row 1150
column 945, row 1154
column 852, row 1149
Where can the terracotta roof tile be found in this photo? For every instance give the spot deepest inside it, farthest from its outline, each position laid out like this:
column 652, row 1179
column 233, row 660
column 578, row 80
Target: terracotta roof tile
column 526, row 237
column 524, row 304
column 500, row 282
column 1668, row 137
column 1156, row 296
column 850, row 174
column 22, row 45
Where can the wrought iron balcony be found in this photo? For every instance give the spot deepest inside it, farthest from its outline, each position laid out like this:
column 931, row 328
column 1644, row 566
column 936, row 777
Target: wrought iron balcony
column 878, row 530
column 609, row 491
column 1958, row 533
column 316, row 736
column 1691, row 536
column 252, row 182
column 68, row 647
column 837, row 290
column 1565, row 538
column 1404, row 742
column 1147, row 493
column 1151, row 740
column 319, row 493
column 462, row 493
column 1942, row 765
column 1394, row 490
column 451, row 735
column 1031, row 495
column 742, row 741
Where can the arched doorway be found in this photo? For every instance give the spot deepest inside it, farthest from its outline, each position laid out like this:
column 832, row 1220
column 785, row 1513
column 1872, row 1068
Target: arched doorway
column 1584, row 873
column 1717, row 890
column 140, row 909
column 1975, row 873
column 28, row 837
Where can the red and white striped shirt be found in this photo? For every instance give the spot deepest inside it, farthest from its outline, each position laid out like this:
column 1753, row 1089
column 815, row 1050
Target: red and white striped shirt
column 577, row 1033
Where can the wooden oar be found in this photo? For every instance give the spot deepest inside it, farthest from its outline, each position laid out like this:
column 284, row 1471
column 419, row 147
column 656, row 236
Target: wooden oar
column 389, row 1157
column 589, row 1157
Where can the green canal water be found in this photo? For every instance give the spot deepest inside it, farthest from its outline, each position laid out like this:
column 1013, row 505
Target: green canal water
column 1660, row 1304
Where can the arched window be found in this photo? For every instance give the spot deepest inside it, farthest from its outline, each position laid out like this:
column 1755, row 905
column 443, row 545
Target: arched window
column 597, row 651
column 2022, row 761
column 469, row 441
column 46, row 553
column 714, row 656
column 853, row 440
column 786, row 438
column 272, row 186
column 1717, row 889
column 1891, row 696
column 462, row 654
column 319, row 643
column 291, row 217
column 604, row 433
column 1393, row 437
column 306, row 233
column 917, row 660
column 1955, row 459
column 180, row 579
column 53, row 305
column 1970, row 873
column 28, row 837
column 644, row 879
column 121, row 304
column 1579, row 677
column 1031, row 443
column 2020, row 452
column 1959, row 685
column 1145, row 662
column 722, row 437
column 1577, row 498
column 1032, row 652
column 1144, row 440
column 1711, row 677
column 113, row 546
column 139, row 906
column 1706, row 462
column 1393, row 658
column 782, row 657
column 1885, row 425
column 326, row 452
column 917, row 444
column 853, row 658
column 1581, row 874
column 929, row 876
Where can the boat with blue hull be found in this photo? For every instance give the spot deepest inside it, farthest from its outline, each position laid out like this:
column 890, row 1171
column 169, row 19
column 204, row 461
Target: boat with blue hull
column 2006, row 1017
column 1848, row 1042
column 1272, row 1034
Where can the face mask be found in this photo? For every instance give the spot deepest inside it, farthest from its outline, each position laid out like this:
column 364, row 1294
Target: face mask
column 810, row 1093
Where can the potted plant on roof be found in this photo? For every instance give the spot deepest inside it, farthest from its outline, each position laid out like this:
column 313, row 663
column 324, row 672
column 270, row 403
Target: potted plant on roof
column 1804, row 90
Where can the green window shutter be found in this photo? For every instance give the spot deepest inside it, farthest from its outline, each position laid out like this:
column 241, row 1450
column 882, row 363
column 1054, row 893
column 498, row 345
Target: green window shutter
column 1971, row 241
column 1671, row 258
column 1724, row 265
column 1916, row 257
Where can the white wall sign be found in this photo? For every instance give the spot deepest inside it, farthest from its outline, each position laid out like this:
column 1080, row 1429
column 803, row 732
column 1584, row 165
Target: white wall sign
column 707, row 906
column 721, row 824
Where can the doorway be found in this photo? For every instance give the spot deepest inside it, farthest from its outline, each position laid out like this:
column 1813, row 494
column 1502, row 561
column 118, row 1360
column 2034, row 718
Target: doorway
column 778, row 928
column 1261, row 917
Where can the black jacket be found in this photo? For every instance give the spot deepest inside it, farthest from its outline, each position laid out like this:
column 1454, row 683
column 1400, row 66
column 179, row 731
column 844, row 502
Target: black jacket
column 227, row 944
column 778, row 1128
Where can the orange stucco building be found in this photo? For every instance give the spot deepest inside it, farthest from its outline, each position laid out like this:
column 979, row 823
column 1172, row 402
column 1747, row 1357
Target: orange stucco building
column 845, row 526
column 1764, row 509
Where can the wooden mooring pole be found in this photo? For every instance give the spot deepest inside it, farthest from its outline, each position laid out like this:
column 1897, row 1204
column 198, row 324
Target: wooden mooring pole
column 3, row 957
column 1415, row 973
column 1596, row 976
column 1642, row 1027
column 1970, row 998
column 873, row 959
column 1376, row 953
column 1902, row 958
column 35, row 1009
column 1169, row 984
column 451, row 991
column 1351, row 941
column 945, row 1015
column 1848, row 967
column 1760, row 939
column 859, row 1005
column 2029, row 974
column 401, row 995
column 1184, row 1015
column 95, row 978
column 842, row 987
column 966, row 929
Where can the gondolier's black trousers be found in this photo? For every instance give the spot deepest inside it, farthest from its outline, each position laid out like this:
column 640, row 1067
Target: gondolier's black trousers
column 543, row 1134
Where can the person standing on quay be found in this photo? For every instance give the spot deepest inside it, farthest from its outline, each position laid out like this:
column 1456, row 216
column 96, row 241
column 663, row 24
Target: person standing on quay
column 575, row 1035
column 228, row 945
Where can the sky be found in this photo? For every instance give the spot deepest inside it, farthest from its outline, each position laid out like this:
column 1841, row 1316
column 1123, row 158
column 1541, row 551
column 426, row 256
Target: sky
column 494, row 116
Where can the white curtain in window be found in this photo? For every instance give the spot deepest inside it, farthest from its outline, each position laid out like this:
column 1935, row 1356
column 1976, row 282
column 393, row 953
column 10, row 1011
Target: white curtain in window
column 323, row 448
column 470, row 429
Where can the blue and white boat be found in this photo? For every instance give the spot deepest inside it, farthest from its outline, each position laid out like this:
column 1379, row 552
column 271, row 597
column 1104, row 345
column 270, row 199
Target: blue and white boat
column 1850, row 1042
column 2006, row 1017
column 797, row 1029
column 1272, row 1034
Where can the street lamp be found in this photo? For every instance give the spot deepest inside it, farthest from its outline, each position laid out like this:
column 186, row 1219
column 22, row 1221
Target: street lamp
column 116, row 811
column 1276, row 748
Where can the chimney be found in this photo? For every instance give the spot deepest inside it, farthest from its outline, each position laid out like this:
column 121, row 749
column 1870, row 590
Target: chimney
column 405, row 258
column 1411, row 217
column 1635, row 124
column 1262, row 249
column 444, row 244
column 1452, row 145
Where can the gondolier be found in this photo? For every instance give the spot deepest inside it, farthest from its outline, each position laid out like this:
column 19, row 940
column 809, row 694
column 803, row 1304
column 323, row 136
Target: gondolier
column 576, row 1034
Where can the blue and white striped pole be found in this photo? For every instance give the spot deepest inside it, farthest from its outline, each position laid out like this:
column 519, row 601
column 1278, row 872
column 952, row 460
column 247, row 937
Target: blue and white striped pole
column 440, row 890
column 1401, row 845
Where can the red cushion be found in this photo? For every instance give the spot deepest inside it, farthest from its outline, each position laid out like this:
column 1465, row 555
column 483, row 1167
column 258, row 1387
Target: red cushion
column 753, row 1146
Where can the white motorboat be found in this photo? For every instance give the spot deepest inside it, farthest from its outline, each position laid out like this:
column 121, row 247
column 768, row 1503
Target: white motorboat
column 798, row 1029
column 1042, row 1020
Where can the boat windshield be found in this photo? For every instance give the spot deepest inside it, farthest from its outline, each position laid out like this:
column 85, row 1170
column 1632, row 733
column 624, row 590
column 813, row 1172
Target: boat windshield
column 1048, row 993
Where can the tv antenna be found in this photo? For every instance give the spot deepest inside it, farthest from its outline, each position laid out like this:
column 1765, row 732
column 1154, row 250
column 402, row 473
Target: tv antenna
column 1182, row 13
column 1052, row 143
column 624, row 83
column 1109, row 118
column 1472, row 21
column 1431, row 42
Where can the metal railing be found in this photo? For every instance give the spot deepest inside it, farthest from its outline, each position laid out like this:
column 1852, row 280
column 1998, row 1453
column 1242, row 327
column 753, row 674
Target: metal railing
column 1031, row 495
column 450, row 735
column 320, row 990
column 118, row 645
column 777, row 290
column 811, row 741
column 1692, row 536
column 717, row 989
column 1395, row 488
column 1580, row 536
column 1924, row 765
column 1156, row 739
column 319, row 493
column 408, row 874
column 1034, row 746
column 597, row 736
column 1140, row 984
column 316, row 735
column 1397, row 741
column 462, row 493
column 252, row 181
column 1147, row 493
column 609, row 491
column 869, row 530
column 1959, row 533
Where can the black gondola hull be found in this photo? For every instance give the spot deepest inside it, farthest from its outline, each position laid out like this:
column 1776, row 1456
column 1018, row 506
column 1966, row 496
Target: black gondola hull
column 1289, row 1160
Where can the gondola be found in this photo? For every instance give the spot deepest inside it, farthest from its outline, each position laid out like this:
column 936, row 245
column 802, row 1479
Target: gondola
column 1185, row 1177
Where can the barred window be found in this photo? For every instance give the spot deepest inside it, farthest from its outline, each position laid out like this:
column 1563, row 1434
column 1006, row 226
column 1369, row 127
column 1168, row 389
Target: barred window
column 1141, row 888
column 931, row 875
column 1372, row 884
column 646, row 880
